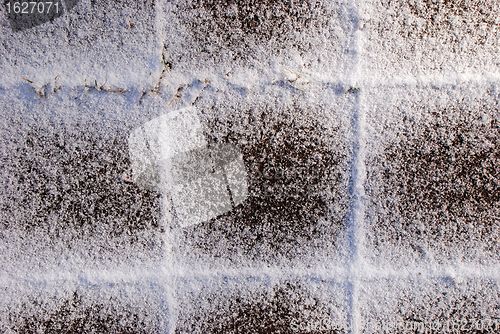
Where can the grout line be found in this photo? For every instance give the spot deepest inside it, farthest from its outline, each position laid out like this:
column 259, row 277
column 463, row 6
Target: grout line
column 356, row 191
column 369, row 82
column 334, row 274
column 357, row 270
column 169, row 282
column 356, row 218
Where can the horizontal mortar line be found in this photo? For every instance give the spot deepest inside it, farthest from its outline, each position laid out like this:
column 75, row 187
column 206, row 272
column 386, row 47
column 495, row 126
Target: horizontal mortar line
column 91, row 277
column 334, row 274
column 429, row 80
column 361, row 81
column 369, row 272
column 276, row 272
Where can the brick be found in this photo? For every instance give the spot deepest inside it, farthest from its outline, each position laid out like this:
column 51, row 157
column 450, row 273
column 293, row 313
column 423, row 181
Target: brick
column 420, row 37
column 65, row 199
column 223, row 36
column 108, row 43
column 296, row 149
column 440, row 305
column 260, row 307
column 432, row 178
column 69, row 308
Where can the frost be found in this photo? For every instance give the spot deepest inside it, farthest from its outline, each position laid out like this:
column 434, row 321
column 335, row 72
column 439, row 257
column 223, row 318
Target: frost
column 433, row 174
column 186, row 166
column 109, row 43
column 260, row 307
column 296, row 180
column 434, row 305
column 429, row 37
column 64, row 200
column 228, row 36
column 89, row 309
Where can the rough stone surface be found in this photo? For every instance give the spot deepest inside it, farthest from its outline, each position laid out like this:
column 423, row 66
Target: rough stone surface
column 97, row 43
column 445, row 305
column 64, row 188
column 262, row 34
column 359, row 188
column 260, row 307
column 432, row 176
column 127, row 309
column 296, row 149
column 420, row 37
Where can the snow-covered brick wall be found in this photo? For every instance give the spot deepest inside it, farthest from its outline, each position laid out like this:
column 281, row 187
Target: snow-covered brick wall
column 250, row 166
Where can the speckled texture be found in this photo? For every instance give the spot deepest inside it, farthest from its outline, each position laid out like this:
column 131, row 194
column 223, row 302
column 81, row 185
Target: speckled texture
column 261, row 34
column 421, row 37
column 366, row 134
column 262, row 307
column 97, row 43
column 298, row 189
column 420, row 305
column 432, row 174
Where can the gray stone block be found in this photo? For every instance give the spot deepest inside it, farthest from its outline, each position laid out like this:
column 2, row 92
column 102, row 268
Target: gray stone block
column 256, row 306
column 296, row 149
column 432, row 176
column 222, row 36
column 64, row 196
column 96, row 43
column 429, row 37
column 69, row 308
column 441, row 305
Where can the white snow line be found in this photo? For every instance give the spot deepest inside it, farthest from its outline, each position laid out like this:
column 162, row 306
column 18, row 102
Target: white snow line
column 87, row 278
column 356, row 189
column 433, row 80
column 168, row 267
column 353, row 79
column 356, row 219
column 138, row 275
column 429, row 271
column 275, row 273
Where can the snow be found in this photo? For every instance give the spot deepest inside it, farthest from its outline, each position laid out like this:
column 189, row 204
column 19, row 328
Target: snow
column 252, row 305
column 101, row 43
column 420, row 37
column 281, row 133
column 171, row 153
column 268, row 38
column 199, row 167
column 110, row 308
column 420, row 305
column 65, row 204
column 432, row 160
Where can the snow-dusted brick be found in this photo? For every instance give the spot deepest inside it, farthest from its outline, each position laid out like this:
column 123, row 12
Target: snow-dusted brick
column 267, row 36
column 296, row 150
column 65, row 198
column 432, row 174
column 420, row 305
column 419, row 37
column 65, row 307
column 260, row 306
column 96, row 43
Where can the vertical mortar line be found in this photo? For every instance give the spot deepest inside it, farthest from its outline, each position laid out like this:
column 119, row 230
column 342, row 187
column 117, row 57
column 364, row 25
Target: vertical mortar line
column 356, row 186
column 167, row 269
column 356, row 219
